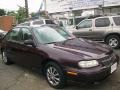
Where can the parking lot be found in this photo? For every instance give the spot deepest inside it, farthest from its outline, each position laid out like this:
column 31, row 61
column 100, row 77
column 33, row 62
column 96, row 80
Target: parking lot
column 15, row 77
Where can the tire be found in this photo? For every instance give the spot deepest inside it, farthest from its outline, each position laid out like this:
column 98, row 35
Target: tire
column 113, row 41
column 5, row 59
column 55, row 75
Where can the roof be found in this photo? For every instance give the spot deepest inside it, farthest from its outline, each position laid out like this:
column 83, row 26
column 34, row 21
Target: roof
column 49, row 25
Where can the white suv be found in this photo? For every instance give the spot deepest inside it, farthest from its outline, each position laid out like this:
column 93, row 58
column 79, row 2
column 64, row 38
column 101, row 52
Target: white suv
column 37, row 22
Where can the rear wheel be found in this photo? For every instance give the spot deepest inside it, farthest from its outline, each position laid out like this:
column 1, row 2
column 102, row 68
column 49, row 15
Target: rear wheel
column 54, row 75
column 5, row 59
column 113, row 41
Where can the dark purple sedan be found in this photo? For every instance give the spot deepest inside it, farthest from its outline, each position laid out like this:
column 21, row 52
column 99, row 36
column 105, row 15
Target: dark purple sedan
column 61, row 56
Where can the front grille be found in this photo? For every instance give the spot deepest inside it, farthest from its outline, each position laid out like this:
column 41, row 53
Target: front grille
column 109, row 53
column 108, row 60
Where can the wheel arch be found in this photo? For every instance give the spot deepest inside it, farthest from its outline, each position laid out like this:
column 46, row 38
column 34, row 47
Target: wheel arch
column 45, row 62
column 117, row 34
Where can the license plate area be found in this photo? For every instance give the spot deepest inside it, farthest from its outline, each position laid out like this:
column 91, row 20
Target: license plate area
column 113, row 67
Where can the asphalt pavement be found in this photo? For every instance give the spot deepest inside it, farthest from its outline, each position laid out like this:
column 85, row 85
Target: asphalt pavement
column 15, row 77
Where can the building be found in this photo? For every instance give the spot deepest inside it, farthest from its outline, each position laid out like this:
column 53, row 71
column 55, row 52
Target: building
column 65, row 8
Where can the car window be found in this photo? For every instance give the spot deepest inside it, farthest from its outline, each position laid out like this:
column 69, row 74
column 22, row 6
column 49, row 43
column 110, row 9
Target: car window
column 25, row 24
column 38, row 22
column 49, row 22
column 85, row 24
column 14, row 35
column 117, row 20
column 102, row 22
column 26, row 34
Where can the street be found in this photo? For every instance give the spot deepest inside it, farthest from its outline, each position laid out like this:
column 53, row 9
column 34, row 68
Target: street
column 15, row 77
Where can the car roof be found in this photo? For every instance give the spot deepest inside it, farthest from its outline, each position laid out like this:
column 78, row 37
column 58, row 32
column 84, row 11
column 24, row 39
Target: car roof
column 100, row 16
column 36, row 20
column 49, row 25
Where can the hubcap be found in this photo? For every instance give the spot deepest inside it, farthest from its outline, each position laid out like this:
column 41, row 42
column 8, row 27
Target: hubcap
column 4, row 58
column 53, row 76
column 113, row 42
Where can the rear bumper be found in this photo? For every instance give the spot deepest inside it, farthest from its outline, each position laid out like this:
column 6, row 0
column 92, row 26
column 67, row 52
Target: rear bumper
column 91, row 75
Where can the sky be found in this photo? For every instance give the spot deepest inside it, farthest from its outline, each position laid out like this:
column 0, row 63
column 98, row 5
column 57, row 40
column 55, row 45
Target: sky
column 34, row 5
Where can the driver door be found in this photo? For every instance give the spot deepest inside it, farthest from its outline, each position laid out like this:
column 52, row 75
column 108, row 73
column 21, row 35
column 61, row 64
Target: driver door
column 29, row 55
column 84, row 29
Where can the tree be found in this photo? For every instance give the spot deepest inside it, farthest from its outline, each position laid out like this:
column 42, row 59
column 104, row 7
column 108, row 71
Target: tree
column 2, row 12
column 11, row 13
column 44, row 14
column 21, row 15
column 33, row 14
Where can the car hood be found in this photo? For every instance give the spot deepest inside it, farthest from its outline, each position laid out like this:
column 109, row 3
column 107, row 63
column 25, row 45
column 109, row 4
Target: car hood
column 83, row 48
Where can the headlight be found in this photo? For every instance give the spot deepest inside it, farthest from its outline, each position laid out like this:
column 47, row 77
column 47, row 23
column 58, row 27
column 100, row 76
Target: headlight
column 88, row 64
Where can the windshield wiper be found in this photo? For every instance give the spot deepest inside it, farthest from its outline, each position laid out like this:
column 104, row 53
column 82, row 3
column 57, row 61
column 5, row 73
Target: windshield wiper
column 50, row 42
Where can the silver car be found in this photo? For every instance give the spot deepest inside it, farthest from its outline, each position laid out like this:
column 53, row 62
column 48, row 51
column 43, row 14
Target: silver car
column 105, row 29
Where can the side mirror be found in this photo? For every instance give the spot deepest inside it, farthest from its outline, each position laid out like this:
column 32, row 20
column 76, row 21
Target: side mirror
column 29, row 43
column 76, row 27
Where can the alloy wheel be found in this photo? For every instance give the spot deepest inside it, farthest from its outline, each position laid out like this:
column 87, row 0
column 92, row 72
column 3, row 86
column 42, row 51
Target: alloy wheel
column 113, row 42
column 53, row 76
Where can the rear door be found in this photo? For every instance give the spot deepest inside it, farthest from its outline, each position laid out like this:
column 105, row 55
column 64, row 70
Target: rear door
column 11, row 43
column 101, row 27
column 116, row 25
column 84, row 29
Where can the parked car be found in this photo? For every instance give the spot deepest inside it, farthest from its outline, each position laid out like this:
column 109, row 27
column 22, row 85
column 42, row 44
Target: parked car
column 61, row 56
column 37, row 22
column 105, row 29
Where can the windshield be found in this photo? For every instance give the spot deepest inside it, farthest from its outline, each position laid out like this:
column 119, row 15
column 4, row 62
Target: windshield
column 47, row 35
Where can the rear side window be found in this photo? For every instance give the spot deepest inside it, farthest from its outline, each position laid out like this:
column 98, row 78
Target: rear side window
column 117, row 20
column 38, row 22
column 102, row 22
column 26, row 34
column 49, row 22
column 14, row 35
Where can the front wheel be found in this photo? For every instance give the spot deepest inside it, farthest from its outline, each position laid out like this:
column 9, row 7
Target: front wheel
column 113, row 41
column 5, row 59
column 54, row 75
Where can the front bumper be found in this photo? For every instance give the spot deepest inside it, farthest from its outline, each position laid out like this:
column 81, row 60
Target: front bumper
column 92, row 74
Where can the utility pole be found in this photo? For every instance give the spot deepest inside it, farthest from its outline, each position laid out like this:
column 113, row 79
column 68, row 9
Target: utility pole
column 45, row 5
column 26, row 9
column 103, row 7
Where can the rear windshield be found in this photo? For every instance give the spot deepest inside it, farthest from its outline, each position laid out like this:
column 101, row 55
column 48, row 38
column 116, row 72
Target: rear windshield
column 38, row 22
column 49, row 22
column 24, row 24
column 117, row 20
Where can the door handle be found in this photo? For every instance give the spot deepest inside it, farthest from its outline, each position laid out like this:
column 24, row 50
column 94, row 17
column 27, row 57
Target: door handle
column 90, row 29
